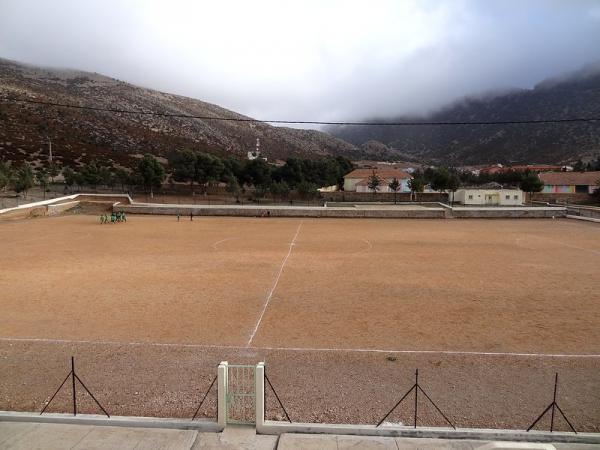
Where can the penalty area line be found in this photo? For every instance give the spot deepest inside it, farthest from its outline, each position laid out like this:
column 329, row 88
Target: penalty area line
column 302, row 349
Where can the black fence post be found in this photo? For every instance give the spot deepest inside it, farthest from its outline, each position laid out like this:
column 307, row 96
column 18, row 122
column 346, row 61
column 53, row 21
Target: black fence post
column 552, row 406
column 204, row 398
column 416, row 394
column 73, row 385
column 74, row 377
column 277, row 397
column 416, row 387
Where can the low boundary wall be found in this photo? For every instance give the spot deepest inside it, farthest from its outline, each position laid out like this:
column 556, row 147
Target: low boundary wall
column 584, row 211
column 59, row 205
column 515, row 213
column 429, row 210
column 281, row 211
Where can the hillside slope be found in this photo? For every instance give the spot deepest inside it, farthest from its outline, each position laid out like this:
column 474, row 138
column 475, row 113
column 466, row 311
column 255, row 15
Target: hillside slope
column 573, row 95
column 80, row 135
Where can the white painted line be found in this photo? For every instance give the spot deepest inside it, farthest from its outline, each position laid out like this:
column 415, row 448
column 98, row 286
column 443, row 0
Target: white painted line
column 303, row 349
column 268, row 299
column 216, row 244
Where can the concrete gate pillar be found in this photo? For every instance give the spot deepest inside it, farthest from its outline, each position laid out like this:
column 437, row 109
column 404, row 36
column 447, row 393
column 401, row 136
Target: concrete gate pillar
column 259, row 378
column 222, row 394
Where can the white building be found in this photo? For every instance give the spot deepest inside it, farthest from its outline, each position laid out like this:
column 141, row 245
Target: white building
column 256, row 153
column 358, row 179
column 489, row 197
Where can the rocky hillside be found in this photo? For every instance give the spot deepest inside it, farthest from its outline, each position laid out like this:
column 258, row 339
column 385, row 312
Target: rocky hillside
column 81, row 135
column 573, row 95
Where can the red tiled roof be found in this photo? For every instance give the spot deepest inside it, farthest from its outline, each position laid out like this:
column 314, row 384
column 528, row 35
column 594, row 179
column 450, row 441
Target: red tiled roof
column 570, row 178
column 382, row 181
column 383, row 173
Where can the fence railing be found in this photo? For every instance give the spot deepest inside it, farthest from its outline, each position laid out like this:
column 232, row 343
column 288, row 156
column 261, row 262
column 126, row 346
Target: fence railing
column 268, row 400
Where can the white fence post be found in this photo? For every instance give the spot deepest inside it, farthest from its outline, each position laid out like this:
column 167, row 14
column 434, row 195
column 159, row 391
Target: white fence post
column 259, row 378
column 222, row 394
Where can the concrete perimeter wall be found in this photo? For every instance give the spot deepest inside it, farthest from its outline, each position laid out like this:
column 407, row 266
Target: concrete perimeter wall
column 584, row 211
column 411, row 210
column 443, row 211
column 347, row 196
column 61, row 204
column 515, row 213
column 281, row 211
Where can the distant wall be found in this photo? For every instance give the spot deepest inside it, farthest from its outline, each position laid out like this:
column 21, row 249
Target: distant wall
column 344, row 196
column 241, row 211
column 562, row 198
column 584, row 211
column 510, row 213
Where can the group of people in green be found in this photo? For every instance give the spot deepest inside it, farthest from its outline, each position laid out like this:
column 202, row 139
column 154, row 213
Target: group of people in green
column 113, row 218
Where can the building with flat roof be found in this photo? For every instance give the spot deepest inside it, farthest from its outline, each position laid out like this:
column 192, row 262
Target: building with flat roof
column 490, row 197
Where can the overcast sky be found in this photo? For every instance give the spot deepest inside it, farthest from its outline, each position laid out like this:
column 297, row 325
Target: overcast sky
column 309, row 60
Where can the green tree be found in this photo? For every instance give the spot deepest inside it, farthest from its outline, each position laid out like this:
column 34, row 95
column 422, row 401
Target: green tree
column 440, row 180
column 70, row 177
column 23, row 179
column 531, row 183
column 374, row 183
column 233, row 187
column 183, row 167
column 53, row 170
column 394, row 186
column 291, row 172
column 416, row 184
column 43, row 179
column 91, row 175
column 209, row 169
column 279, row 190
column 232, row 167
column 6, row 175
column 345, row 166
column 122, row 177
column 453, row 184
column 307, row 190
column 257, row 173
column 151, row 173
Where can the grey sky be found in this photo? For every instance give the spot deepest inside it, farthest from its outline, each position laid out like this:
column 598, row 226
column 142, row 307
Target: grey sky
column 309, row 60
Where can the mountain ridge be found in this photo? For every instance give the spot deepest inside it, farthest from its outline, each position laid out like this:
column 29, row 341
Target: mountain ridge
column 82, row 135
column 576, row 94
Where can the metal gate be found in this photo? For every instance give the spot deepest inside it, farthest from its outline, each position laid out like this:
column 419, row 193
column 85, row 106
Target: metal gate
column 241, row 394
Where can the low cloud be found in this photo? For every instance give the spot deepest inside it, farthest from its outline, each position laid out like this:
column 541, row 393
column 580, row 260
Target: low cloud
column 311, row 60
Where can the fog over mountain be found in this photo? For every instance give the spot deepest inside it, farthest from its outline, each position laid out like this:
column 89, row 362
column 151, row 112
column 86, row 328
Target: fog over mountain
column 310, row 60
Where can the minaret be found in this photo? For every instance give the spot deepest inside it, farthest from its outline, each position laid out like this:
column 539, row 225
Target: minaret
column 49, row 151
column 257, row 147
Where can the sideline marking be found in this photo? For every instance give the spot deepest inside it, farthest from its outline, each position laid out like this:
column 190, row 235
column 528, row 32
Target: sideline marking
column 302, row 349
column 268, row 299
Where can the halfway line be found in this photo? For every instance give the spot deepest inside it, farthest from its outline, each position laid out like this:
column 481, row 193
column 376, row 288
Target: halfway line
column 268, row 299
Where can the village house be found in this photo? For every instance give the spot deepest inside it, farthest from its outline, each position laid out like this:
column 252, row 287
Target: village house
column 570, row 182
column 358, row 179
column 490, row 196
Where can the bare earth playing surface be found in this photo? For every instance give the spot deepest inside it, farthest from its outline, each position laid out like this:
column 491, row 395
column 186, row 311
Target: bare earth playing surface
column 323, row 301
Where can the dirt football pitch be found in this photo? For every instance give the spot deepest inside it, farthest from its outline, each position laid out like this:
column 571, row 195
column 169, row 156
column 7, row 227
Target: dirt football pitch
column 341, row 310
